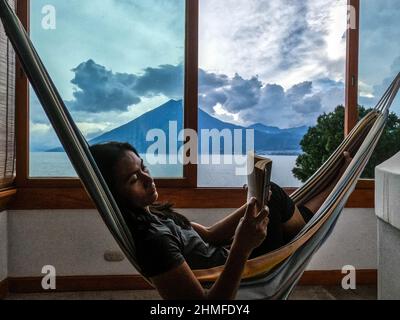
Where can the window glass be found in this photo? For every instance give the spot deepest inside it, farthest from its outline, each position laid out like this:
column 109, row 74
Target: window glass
column 119, row 68
column 378, row 66
column 272, row 67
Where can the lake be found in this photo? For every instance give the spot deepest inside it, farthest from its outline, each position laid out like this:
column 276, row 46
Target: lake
column 57, row 164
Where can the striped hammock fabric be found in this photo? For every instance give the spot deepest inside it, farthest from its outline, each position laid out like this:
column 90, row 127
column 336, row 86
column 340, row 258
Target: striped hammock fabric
column 271, row 276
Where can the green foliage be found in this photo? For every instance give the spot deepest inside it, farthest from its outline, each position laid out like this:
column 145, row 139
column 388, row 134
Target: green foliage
column 322, row 140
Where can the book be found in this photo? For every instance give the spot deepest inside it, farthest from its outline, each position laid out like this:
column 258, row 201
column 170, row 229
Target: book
column 258, row 178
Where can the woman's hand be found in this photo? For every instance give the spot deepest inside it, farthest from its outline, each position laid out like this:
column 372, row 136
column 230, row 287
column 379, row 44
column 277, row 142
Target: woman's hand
column 252, row 228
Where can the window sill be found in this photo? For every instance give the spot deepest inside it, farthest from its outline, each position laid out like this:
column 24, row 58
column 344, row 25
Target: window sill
column 75, row 197
column 5, row 198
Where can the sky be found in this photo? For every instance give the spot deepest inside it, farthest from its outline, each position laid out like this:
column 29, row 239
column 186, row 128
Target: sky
column 379, row 49
column 280, row 63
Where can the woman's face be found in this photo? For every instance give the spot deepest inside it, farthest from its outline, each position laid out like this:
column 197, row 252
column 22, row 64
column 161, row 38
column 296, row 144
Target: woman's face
column 133, row 182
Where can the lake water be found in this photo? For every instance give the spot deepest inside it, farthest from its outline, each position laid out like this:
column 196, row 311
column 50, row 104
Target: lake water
column 57, row 164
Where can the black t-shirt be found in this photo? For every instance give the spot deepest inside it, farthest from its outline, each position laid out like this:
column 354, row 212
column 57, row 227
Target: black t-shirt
column 165, row 245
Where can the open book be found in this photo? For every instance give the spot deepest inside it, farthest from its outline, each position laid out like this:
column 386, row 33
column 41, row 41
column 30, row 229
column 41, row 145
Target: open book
column 259, row 178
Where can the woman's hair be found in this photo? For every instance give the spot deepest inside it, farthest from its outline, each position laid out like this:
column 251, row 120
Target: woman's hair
column 107, row 156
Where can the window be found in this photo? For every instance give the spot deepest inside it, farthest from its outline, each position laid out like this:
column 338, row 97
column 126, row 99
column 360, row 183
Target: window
column 324, row 78
column 119, row 66
column 272, row 69
column 378, row 66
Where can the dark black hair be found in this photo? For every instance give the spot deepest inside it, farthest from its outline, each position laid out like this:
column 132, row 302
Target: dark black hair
column 107, row 156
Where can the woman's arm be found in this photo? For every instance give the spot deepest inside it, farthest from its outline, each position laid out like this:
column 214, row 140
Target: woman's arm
column 222, row 232
column 190, row 288
column 250, row 233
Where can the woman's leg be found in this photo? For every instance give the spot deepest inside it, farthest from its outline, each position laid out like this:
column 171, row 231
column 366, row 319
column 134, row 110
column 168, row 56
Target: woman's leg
column 284, row 221
column 315, row 203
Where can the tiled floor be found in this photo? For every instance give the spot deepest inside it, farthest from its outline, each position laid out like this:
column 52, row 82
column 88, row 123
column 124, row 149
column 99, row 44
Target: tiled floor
column 300, row 293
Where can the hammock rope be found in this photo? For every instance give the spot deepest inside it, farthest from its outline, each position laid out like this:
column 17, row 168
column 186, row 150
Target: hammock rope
column 271, row 276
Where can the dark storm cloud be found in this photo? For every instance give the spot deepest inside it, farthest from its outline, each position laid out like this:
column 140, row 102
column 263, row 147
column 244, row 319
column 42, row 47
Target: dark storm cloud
column 242, row 94
column 308, row 105
column 258, row 102
column 100, row 90
column 166, row 80
column 298, row 91
column 209, row 80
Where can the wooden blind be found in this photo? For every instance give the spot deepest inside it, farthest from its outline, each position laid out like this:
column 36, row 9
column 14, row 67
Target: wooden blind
column 7, row 109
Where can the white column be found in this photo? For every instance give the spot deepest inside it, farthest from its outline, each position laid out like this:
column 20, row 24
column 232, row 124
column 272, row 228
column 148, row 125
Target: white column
column 387, row 208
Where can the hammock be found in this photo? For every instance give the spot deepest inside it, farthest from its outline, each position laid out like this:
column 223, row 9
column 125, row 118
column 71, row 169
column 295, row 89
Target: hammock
column 271, row 276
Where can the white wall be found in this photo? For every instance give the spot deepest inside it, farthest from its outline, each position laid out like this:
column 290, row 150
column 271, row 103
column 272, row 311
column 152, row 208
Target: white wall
column 3, row 246
column 75, row 241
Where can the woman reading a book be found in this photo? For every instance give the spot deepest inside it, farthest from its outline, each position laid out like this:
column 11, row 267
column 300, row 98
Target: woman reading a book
column 169, row 246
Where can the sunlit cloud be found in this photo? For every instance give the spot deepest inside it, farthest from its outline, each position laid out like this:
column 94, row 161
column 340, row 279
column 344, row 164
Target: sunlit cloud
column 283, row 42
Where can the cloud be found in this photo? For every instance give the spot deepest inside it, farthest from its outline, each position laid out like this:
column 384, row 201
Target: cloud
column 283, row 41
column 42, row 137
column 251, row 101
column 379, row 89
column 101, row 94
column 331, row 93
column 209, row 80
column 37, row 114
column 166, row 80
column 379, row 50
column 394, row 70
column 242, row 94
column 298, row 91
column 308, row 105
column 99, row 89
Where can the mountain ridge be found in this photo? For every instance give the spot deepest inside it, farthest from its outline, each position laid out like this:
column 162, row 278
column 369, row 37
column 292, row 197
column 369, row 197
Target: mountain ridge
column 266, row 139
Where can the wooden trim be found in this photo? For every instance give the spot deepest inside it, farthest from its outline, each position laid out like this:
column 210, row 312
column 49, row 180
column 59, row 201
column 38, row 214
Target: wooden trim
column 334, row 277
column 366, row 184
column 191, row 82
column 22, row 106
column 136, row 282
column 75, row 198
column 3, row 289
column 5, row 197
column 190, row 108
column 351, row 100
column 64, row 183
column 80, row 283
column 362, row 198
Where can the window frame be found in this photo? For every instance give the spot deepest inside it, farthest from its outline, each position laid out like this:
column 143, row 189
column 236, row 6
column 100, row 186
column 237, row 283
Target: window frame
column 69, row 193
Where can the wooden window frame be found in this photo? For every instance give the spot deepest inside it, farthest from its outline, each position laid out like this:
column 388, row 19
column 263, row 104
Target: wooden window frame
column 68, row 193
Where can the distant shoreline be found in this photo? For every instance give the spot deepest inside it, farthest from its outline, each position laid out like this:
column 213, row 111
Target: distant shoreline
column 263, row 152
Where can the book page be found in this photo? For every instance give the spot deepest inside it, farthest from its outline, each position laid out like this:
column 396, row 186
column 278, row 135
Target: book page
column 258, row 178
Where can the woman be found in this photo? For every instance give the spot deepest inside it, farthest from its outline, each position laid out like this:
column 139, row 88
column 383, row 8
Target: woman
column 169, row 247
